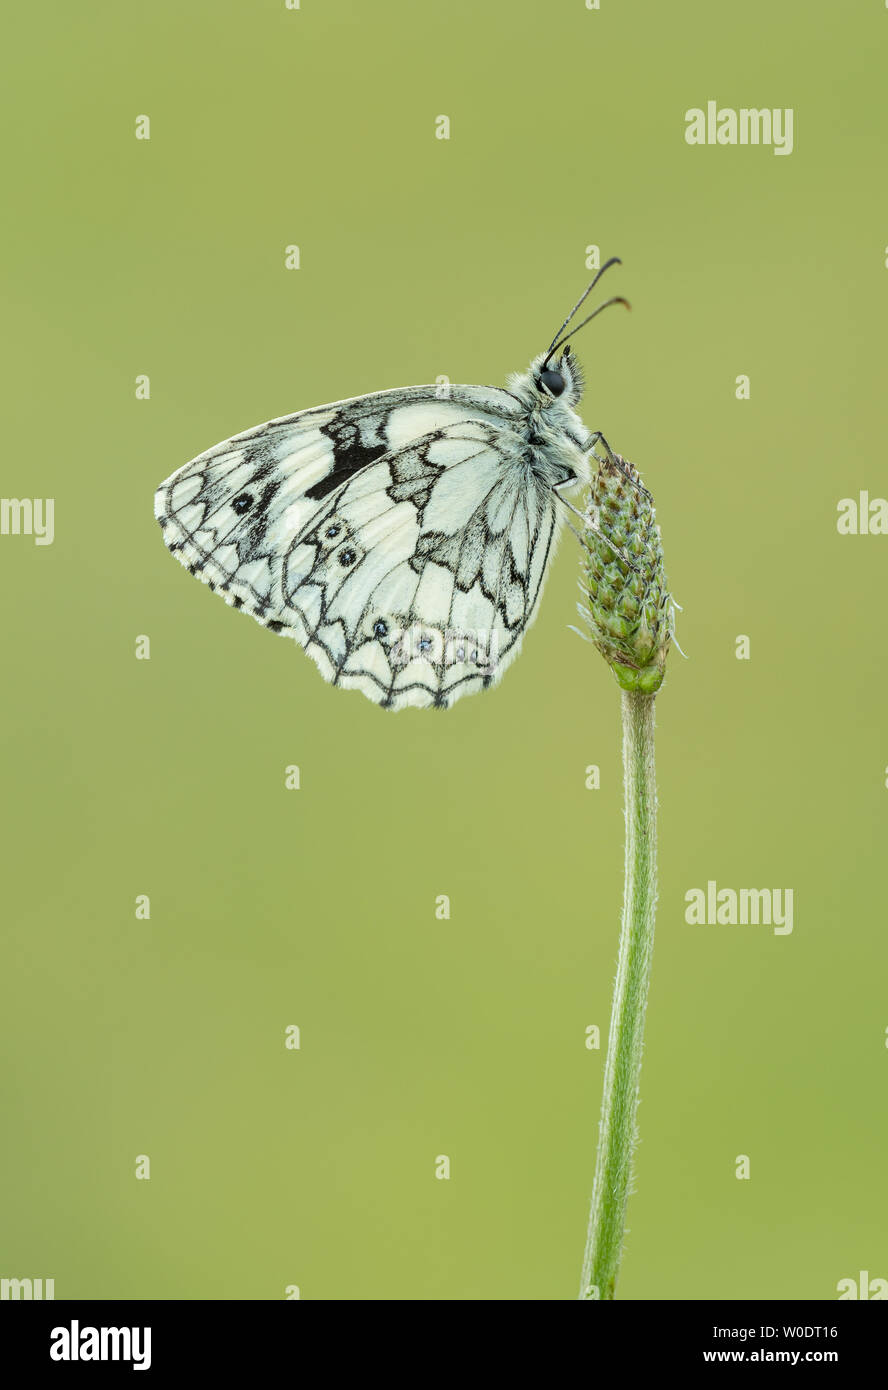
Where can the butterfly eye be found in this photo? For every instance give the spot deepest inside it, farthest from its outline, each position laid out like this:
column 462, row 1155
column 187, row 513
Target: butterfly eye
column 242, row 504
column 553, row 381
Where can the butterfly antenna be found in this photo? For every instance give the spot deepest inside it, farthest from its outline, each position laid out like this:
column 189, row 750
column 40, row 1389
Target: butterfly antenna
column 614, row 260
column 618, row 299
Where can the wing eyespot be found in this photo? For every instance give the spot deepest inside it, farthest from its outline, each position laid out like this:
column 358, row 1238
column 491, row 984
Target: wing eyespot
column 242, row 503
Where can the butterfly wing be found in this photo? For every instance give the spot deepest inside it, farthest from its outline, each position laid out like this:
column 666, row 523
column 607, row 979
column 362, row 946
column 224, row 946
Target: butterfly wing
column 400, row 539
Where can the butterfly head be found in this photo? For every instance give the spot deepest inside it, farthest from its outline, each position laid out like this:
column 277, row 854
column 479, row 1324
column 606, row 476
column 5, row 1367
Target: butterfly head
column 557, row 378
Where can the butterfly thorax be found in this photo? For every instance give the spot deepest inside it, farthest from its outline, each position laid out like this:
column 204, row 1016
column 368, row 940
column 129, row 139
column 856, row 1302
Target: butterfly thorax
column 554, row 433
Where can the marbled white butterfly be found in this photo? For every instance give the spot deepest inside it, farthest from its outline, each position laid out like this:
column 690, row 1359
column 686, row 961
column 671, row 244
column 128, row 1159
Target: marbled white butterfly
column 401, row 538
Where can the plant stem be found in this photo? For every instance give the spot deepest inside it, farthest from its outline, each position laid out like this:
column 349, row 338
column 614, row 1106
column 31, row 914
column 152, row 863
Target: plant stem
column 617, row 1131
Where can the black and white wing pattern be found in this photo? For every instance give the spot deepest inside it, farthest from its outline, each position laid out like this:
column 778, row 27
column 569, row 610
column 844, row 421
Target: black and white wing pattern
column 402, row 540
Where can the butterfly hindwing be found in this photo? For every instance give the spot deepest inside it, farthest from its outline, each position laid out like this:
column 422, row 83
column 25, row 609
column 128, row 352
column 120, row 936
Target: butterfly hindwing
column 417, row 583
column 396, row 537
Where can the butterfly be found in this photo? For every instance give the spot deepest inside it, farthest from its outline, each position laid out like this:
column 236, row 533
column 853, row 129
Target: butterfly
column 403, row 537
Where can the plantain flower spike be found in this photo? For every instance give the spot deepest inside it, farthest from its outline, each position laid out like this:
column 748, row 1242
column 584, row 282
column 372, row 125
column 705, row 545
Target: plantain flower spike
column 626, row 599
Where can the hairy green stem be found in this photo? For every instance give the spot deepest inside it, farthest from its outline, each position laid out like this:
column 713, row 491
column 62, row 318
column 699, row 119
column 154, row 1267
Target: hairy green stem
column 617, row 1131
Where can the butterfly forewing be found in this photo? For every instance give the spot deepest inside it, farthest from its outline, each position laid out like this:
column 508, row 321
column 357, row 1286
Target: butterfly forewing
column 397, row 537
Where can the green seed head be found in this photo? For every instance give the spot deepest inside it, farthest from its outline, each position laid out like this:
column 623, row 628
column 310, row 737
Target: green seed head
column 629, row 610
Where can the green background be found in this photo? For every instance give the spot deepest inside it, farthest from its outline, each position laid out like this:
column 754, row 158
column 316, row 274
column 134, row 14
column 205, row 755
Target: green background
column 165, row 777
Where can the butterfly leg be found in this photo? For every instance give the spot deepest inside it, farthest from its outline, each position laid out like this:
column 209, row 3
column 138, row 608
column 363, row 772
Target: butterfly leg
column 590, row 523
column 615, row 460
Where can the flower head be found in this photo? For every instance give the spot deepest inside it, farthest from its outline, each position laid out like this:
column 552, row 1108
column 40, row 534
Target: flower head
column 627, row 604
